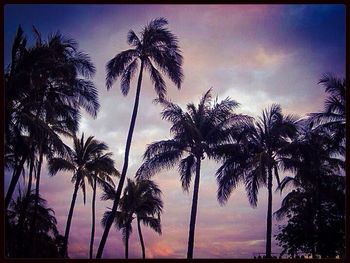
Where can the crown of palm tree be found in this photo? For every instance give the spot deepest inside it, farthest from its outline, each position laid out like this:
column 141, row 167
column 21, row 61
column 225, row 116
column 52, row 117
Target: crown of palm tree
column 156, row 48
column 46, row 221
column 332, row 119
column 141, row 198
column 250, row 158
column 83, row 160
column 203, row 129
column 310, row 157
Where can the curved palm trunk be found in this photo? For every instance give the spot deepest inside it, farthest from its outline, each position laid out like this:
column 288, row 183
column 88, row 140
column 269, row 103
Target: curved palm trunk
column 141, row 238
column 269, row 215
column 69, row 220
column 194, row 210
column 15, row 176
column 125, row 167
column 93, row 218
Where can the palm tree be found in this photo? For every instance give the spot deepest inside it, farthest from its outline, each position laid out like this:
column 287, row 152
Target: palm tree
column 14, row 85
column 63, row 89
column 81, row 162
column 102, row 169
column 199, row 131
column 264, row 140
column 45, row 87
column 46, row 228
column 141, row 199
column 16, row 144
column 157, row 46
column 319, row 195
column 332, row 119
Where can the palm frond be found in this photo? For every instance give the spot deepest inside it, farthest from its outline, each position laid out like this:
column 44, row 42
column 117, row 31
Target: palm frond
column 158, row 23
column 253, row 182
column 157, row 80
column 153, row 223
column 126, row 76
column 186, row 169
column 59, row 164
column 286, row 182
column 160, row 147
column 87, row 96
column 83, row 64
column 158, row 162
column 108, row 192
column 115, row 67
column 228, row 177
column 133, row 39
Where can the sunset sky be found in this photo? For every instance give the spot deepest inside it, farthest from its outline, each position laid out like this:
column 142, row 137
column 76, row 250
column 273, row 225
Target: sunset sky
column 255, row 54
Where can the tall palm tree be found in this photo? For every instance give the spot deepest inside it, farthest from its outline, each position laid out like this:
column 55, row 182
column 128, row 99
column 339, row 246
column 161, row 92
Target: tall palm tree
column 102, row 169
column 81, row 162
column 63, row 89
column 156, row 46
column 141, row 200
column 16, row 144
column 199, row 131
column 264, row 140
column 332, row 119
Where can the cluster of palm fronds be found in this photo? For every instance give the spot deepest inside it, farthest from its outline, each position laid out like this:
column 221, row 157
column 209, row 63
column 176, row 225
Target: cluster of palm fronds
column 48, row 84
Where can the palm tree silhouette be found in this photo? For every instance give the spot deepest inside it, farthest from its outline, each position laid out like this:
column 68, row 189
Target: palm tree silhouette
column 157, row 46
column 81, row 161
column 102, row 169
column 317, row 200
column 46, row 230
column 199, row 131
column 141, row 199
column 45, row 87
column 264, row 140
column 332, row 119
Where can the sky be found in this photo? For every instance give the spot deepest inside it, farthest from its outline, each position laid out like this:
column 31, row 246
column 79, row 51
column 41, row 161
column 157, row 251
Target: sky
column 255, row 54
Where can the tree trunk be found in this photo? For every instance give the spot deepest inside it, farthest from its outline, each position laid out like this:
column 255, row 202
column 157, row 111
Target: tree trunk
column 36, row 201
column 15, row 176
column 141, row 238
column 194, row 210
column 69, row 219
column 93, row 217
column 125, row 167
column 37, row 183
column 30, row 180
column 127, row 235
column 269, row 215
column 127, row 244
column 24, row 211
